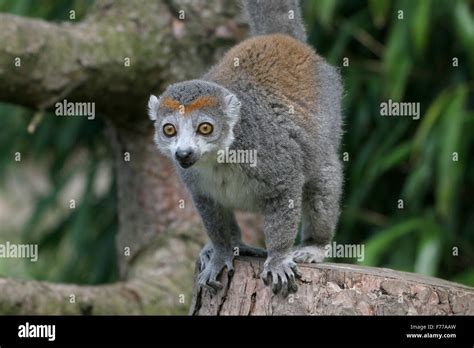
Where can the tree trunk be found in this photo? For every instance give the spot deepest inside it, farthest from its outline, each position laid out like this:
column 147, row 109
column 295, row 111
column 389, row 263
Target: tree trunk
column 120, row 53
column 335, row 289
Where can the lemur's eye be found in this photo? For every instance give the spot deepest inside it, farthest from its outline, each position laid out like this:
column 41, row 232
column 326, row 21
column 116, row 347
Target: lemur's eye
column 169, row 130
column 205, row 128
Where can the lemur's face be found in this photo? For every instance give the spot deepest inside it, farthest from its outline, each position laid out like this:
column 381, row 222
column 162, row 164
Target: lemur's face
column 187, row 139
column 193, row 129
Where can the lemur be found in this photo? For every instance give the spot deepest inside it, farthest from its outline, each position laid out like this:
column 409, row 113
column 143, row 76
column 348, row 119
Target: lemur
column 272, row 94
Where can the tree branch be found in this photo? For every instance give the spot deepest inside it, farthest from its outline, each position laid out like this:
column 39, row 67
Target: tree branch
column 87, row 61
column 157, row 287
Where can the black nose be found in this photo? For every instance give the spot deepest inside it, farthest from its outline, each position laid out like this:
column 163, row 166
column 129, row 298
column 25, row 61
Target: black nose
column 183, row 155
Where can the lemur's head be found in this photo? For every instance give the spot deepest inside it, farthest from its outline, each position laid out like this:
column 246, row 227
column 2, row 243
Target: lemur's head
column 193, row 120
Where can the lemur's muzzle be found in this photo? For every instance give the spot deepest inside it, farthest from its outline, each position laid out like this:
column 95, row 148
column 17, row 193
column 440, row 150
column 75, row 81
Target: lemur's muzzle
column 185, row 158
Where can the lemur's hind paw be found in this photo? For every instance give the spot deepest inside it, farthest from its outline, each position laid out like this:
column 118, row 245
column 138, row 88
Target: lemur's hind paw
column 308, row 254
column 205, row 255
column 283, row 272
column 208, row 276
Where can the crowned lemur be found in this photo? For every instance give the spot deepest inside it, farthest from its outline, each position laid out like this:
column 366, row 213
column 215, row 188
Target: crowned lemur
column 274, row 95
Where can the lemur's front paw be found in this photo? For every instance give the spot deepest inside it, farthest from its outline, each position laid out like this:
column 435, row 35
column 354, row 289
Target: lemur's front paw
column 208, row 276
column 283, row 272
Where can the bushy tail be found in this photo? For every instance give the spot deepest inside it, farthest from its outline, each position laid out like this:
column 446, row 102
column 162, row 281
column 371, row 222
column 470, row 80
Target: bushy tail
column 275, row 16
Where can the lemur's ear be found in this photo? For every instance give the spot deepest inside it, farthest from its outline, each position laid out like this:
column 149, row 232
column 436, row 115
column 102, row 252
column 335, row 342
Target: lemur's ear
column 152, row 106
column 232, row 104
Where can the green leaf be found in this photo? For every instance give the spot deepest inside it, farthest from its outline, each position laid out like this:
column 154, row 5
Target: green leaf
column 420, row 25
column 379, row 10
column 428, row 257
column 325, row 11
column 395, row 157
column 464, row 23
column 429, row 119
column 381, row 242
column 466, row 277
column 449, row 170
column 417, row 183
column 397, row 62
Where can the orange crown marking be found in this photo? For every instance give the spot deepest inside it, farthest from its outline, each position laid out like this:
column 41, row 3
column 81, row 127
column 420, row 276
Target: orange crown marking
column 170, row 103
column 199, row 103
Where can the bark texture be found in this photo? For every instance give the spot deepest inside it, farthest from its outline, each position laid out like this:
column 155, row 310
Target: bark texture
column 335, row 289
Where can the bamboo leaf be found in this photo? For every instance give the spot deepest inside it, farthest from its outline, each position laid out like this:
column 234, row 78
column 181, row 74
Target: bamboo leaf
column 464, row 22
column 385, row 239
column 429, row 253
column 379, row 10
column 448, row 169
column 429, row 119
column 420, row 25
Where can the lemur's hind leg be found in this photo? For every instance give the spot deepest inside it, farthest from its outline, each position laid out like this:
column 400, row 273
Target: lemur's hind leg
column 238, row 246
column 320, row 212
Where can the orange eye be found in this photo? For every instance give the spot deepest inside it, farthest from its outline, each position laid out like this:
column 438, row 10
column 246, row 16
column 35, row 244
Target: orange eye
column 169, row 130
column 205, row 128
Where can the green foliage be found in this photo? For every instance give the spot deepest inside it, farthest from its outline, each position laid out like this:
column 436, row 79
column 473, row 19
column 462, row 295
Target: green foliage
column 54, row 10
column 75, row 245
column 390, row 158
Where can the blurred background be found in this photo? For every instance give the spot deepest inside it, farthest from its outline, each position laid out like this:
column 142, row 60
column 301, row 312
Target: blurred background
column 425, row 57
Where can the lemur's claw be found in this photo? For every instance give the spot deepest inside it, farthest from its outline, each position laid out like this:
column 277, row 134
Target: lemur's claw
column 277, row 285
column 230, row 270
column 205, row 281
column 284, row 273
column 215, row 284
column 211, row 266
column 296, row 272
column 264, row 277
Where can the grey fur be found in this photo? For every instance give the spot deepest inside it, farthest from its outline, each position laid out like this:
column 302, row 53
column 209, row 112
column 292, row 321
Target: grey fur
column 275, row 16
column 298, row 176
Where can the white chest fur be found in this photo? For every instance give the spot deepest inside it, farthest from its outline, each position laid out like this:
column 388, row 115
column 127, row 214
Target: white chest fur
column 230, row 186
